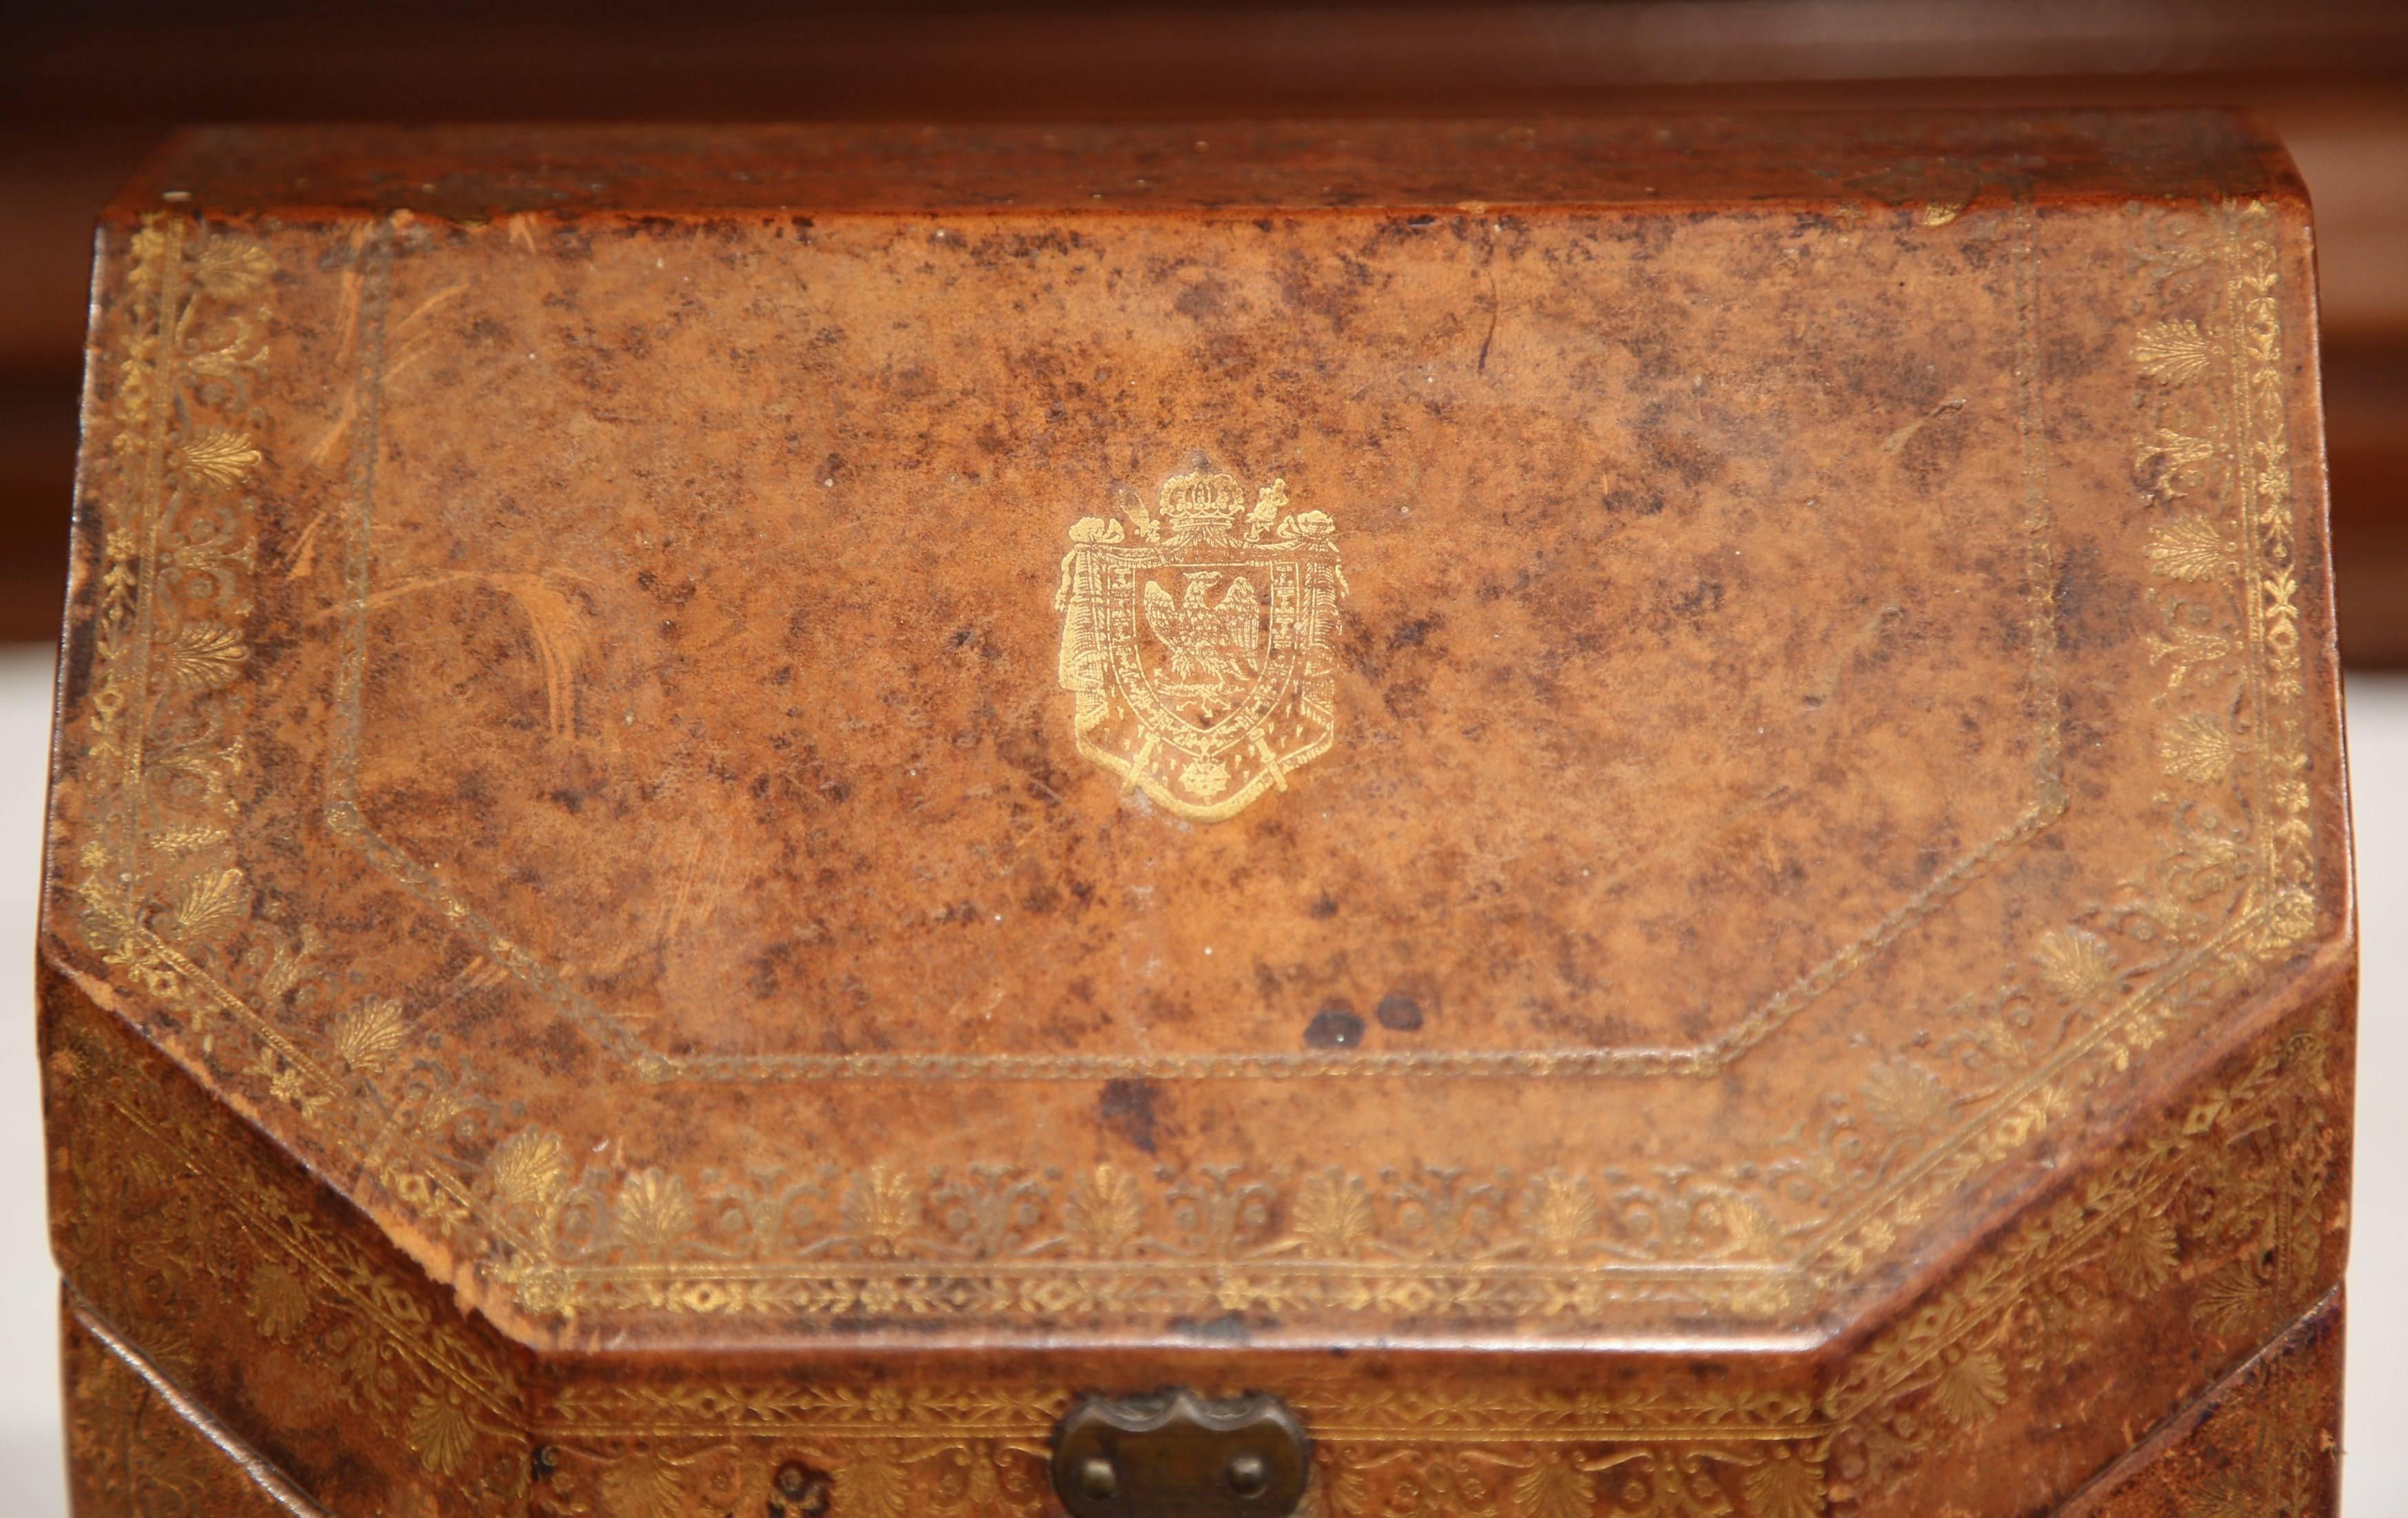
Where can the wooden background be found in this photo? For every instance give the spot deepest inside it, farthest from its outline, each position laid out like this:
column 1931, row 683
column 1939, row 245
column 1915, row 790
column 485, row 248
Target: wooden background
column 84, row 93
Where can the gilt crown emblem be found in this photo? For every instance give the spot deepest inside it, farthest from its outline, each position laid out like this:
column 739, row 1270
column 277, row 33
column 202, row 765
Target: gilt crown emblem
column 1200, row 501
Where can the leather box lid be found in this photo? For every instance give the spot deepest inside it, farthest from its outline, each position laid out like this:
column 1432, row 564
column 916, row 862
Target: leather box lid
column 1585, row 735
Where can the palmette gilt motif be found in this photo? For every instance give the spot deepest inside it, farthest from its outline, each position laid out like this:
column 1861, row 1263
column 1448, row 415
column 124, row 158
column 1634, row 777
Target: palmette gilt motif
column 2214, row 1223
column 1203, row 653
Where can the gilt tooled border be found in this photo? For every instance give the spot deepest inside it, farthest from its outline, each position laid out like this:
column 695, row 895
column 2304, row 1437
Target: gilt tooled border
column 2121, row 1243
column 133, row 931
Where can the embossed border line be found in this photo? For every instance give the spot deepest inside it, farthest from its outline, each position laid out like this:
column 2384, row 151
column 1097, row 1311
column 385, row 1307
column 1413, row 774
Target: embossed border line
column 345, row 816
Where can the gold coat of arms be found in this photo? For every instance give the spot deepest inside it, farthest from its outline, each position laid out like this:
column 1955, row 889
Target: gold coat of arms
column 1201, row 646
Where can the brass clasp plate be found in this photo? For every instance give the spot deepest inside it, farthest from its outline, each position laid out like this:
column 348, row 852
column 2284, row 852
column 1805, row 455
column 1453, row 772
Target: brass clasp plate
column 1174, row 1454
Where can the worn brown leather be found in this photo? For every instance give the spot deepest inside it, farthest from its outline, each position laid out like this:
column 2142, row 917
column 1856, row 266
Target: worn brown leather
column 1649, row 812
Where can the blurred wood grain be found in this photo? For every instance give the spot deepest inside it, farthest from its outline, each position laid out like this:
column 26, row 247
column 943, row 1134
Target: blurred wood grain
column 84, row 93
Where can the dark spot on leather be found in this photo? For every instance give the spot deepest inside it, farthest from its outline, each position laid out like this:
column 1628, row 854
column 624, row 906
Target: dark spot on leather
column 1706, row 595
column 1335, row 1026
column 1398, row 1013
column 1687, row 458
column 1414, row 633
column 1127, row 1109
column 1201, row 300
column 1622, row 501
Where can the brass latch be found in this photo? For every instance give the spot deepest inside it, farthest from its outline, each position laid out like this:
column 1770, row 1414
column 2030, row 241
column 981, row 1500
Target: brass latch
column 1173, row 1454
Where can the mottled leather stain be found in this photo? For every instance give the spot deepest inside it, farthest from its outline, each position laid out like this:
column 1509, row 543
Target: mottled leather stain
column 1650, row 811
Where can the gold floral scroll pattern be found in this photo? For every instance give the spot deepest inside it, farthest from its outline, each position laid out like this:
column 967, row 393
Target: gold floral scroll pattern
column 153, row 881
column 985, row 1239
column 2214, row 1223
column 905, row 1477
column 167, row 699
column 229, row 1280
column 239, row 986
column 683, row 1452
column 2215, row 459
column 210, row 1260
column 2226, row 1211
column 2233, row 885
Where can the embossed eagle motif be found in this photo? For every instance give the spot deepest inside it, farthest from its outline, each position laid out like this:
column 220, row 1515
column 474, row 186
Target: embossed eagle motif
column 1200, row 640
column 1219, row 641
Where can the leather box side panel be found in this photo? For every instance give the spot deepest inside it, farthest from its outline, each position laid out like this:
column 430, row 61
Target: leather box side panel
column 250, row 1291
column 137, row 1447
column 2265, row 1442
column 2132, row 1292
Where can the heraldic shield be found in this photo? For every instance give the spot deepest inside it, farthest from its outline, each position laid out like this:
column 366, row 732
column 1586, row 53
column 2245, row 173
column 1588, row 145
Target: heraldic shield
column 1201, row 654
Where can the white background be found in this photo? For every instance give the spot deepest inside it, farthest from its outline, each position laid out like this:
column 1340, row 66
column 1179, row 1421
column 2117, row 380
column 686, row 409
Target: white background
column 2376, row 1473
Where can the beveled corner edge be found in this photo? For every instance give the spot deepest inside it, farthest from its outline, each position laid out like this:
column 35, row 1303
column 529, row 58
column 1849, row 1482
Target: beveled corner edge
column 2201, row 1237
column 133, row 1438
column 2264, row 1440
